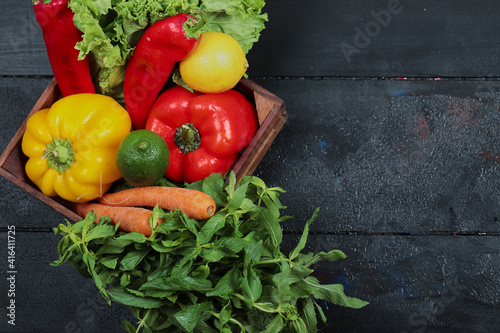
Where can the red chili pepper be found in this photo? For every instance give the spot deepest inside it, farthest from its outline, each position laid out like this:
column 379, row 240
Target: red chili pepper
column 60, row 36
column 162, row 45
column 204, row 132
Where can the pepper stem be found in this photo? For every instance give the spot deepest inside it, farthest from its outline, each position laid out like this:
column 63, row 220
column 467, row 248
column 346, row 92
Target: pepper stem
column 187, row 138
column 193, row 27
column 59, row 154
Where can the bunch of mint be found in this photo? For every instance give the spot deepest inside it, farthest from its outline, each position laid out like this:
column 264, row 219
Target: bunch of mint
column 226, row 274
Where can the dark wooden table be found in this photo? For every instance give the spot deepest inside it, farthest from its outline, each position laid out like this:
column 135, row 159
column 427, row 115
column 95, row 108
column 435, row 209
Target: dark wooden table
column 393, row 130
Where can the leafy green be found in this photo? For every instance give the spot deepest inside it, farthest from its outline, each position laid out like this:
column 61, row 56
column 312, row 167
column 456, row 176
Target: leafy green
column 111, row 28
column 242, row 19
column 224, row 274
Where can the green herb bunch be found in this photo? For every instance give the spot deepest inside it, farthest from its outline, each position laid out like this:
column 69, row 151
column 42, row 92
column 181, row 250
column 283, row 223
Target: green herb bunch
column 226, row 274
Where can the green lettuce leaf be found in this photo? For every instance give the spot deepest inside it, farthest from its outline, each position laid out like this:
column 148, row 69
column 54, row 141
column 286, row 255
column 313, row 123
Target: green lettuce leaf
column 242, row 19
column 111, row 29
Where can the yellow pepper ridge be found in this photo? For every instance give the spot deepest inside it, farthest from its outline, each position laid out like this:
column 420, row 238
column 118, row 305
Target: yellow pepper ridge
column 71, row 147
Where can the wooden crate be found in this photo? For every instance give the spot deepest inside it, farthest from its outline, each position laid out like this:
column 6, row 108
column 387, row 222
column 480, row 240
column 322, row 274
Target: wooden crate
column 271, row 112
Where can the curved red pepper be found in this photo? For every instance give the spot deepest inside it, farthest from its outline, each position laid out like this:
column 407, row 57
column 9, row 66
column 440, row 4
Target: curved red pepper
column 60, row 36
column 162, row 45
column 204, row 132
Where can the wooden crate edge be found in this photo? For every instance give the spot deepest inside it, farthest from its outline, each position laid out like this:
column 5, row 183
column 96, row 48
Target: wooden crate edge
column 47, row 98
column 260, row 144
column 271, row 124
column 39, row 195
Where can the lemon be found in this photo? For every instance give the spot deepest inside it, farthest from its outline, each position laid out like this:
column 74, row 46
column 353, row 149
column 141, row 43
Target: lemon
column 142, row 157
column 216, row 65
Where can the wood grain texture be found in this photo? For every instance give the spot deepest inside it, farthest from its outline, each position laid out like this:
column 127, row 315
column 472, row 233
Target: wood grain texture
column 449, row 38
column 381, row 38
column 388, row 156
column 23, row 50
column 40, row 293
column 406, row 172
column 413, row 284
column 420, row 278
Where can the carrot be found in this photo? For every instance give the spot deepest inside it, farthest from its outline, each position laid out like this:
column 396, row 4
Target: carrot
column 195, row 204
column 131, row 218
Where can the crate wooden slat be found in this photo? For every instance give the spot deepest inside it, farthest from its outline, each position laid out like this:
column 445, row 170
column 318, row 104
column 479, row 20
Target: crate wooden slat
column 271, row 113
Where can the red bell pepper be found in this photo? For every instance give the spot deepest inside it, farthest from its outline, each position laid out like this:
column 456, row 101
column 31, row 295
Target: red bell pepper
column 204, row 132
column 162, row 45
column 60, row 36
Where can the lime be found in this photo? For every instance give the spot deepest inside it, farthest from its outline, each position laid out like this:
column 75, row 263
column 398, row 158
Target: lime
column 216, row 65
column 142, row 157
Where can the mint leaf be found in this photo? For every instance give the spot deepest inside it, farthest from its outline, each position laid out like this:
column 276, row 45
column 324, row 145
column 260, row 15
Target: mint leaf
column 253, row 253
column 87, row 222
column 189, row 317
column 275, row 326
column 66, row 253
column 299, row 272
column 282, row 281
column 213, row 185
column 128, row 326
column 251, row 285
column 232, row 245
column 319, row 309
column 132, row 259
column 274, row 193
column 213, row 255
column 109, row 262
column 100, row 231
column 89, row 261
column 189, row 223
column 330, row 256
column 231, row 186
column 272, row 226
column 238, row 196
column 129, row 238
column 308, row 314
column 298, row 325
column 303, row 239
column 301, row 289
column 177, row 284
column 258, row 182
column 213, row 224
column 122, row 296
column 228, row 283
column 334, row 293
column 110, row 249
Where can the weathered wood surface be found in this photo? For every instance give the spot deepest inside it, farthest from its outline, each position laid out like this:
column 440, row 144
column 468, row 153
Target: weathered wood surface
column 381, row 38
column 389, row 156
column 378, row 38
column 406, row 172
column 414, row 284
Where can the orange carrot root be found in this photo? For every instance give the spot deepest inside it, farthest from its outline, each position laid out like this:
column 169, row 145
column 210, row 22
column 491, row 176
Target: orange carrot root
column 131, row 218
column 195, row 204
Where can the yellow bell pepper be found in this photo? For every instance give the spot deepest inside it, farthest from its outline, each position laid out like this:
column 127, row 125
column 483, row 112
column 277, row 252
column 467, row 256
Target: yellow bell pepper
column 72, row 146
